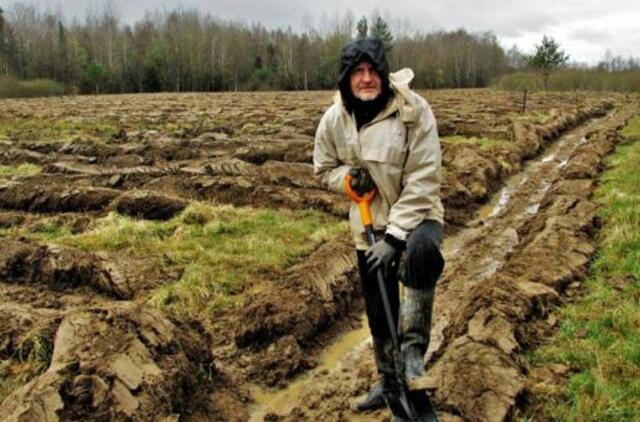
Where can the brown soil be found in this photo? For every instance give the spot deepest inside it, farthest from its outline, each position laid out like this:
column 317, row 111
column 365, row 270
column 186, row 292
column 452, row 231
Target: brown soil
column 113, row 359
column 60, row 268
column 119, row 362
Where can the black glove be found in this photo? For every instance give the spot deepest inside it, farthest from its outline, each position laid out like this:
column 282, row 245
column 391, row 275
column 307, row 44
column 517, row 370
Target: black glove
column 362, row 181
column 380, row 255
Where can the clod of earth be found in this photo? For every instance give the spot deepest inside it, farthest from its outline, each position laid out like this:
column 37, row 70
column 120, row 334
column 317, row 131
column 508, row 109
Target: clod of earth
column 61, row 268
column 118, row 362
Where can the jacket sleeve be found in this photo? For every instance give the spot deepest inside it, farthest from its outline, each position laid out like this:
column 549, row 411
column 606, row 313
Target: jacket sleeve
column 421, row 176
column 327, row 167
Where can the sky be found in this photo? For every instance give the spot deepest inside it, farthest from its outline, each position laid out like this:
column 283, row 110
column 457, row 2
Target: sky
column 586, row 29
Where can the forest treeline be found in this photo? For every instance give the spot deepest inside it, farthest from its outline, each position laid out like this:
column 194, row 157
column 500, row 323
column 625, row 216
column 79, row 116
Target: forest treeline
column 187, row 50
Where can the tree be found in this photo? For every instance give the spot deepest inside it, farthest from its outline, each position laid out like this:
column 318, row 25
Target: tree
column 380, row 29
column 62, row 67
column 547, row 58
column 3, row 47
column 94, row 75
column 186, row 50
column 362, row 27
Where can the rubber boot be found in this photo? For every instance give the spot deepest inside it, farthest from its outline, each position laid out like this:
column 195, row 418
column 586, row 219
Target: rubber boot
column 374, row 399
column 415, row 328
column 383, row 355
column 413, row 357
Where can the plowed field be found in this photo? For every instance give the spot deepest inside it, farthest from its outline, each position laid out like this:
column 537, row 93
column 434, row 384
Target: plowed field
column 171, row 257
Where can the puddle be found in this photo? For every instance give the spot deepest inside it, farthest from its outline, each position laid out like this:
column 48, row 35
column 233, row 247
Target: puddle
column 533, row 209
column 283, row 401
column 549, row 158
column 494, row 207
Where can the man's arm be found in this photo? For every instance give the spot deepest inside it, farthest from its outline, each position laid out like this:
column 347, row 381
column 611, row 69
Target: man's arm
column 421, row 177
column 328, row 169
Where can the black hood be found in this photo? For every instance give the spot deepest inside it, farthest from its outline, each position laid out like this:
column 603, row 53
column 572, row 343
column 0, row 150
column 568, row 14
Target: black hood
column 371, row 49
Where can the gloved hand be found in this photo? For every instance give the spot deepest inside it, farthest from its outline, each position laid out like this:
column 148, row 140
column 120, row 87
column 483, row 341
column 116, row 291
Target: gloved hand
column 362, row 181
column 380, row 255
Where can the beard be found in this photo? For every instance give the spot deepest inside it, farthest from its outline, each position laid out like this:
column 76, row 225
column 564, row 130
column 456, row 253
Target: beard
column 369, row 96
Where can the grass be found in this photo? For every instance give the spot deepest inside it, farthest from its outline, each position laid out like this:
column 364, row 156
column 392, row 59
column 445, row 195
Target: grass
column 22, row 170
column 13, row 88
column 221, row 250
column 537, row 118
column 600, row 334
column 39, row 129
column 485, row 144
column 8, row 382
column 572, row 79
column 30, row 359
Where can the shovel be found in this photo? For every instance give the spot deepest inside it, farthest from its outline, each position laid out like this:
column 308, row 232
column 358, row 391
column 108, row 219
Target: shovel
column 414, row 404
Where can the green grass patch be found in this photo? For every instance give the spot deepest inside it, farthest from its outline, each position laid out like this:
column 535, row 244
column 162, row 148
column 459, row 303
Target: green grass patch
column 632, row 130
column 220, row 249
column 484, row 144
column 37, row 129
column 600, row 335
column 22, row 170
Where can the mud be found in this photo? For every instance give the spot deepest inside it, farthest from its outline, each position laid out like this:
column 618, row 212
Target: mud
column 61, row 268
column 255, row 149
column 38, row 198
column 325, row 288
column 149, row 205
column 118, row 362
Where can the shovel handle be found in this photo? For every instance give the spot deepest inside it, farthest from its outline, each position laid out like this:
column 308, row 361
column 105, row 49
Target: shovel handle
column 364, row 201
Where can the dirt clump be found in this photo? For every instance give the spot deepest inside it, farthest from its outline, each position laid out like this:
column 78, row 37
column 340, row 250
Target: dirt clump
column 22, row 325
column 310, row 298
column 280, row 361
column 149, row 205
column 10, row 219
column 61, row 268
column 56, row 198
column 118, row 362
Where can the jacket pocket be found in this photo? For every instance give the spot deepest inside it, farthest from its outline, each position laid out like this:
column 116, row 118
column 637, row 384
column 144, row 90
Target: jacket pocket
column 383, row 153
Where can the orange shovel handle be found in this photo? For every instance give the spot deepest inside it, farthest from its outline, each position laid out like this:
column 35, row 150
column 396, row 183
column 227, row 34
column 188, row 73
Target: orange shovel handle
column 364, row 201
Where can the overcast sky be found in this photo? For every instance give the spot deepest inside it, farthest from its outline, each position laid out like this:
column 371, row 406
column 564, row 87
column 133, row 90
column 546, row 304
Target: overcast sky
column 584, row 28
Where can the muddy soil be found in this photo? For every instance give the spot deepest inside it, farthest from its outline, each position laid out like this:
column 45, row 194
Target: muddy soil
column 115, row 357
column 120, row 362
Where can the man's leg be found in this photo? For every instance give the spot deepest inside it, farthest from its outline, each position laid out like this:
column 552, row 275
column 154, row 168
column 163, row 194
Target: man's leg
column 382, row 346
column 419, row 272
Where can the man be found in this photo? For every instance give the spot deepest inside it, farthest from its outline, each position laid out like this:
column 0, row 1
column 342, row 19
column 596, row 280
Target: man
column 385, row 135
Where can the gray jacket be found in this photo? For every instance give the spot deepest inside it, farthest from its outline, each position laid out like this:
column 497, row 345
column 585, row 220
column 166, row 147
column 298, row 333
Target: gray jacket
column 400, row 148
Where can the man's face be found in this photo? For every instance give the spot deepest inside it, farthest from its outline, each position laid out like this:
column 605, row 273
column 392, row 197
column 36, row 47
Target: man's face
column 365, row 82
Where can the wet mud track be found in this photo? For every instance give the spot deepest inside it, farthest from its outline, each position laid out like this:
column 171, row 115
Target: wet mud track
column 115, row 357
column 503, row 274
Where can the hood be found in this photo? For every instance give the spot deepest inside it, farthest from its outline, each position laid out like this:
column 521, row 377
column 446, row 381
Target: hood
column 372, row 49
column 404, row 101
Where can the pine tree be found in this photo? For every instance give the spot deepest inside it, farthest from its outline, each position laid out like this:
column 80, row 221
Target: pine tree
column 62, row 71
column 381, row 30
column 547, row 58
column 95, row 75
column 363, row 27
column 3, row 46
